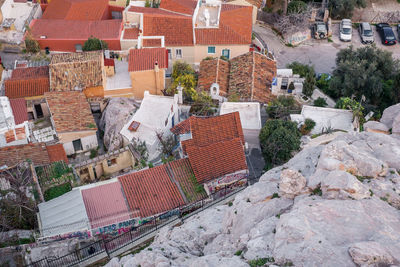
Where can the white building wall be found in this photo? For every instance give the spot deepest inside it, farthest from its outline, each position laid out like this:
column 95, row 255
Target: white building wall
column 89, row 142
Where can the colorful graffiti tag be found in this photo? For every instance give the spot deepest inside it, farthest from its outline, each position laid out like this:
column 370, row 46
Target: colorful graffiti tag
column 116, row 228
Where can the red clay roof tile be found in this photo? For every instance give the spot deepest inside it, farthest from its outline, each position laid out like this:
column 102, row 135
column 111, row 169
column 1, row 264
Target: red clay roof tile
column 151, row 42
column 145, row 58
column 180, row 6
column 57, row 153
column 31, row 72
column 77, row 10
column 131, row 33
column 36, row 152
column 214, row 71
column 26, row 87
column 19, row 110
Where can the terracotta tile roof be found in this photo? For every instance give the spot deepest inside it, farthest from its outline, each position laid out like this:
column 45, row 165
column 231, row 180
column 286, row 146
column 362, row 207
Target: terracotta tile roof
column 251, row 77
column 57, row 153
column 214, row 71
column 217, row 159
column 77, row 10
column 105, row 204
column 131, row 33
column 180, row 6
column 151, row 42
column 150, row 10
column 36, row 152
column 257, row 3
column 75, row 57
column 19, row 134
column 76, row 29
column 176, row 29
column 182, row 127
column 144, row 59
column 31, row 72
column 235, row 27
column 183, row 174
column 19, row 110
column 109, row 62
column 70, row 111
column 151, row 191
column 26, row 87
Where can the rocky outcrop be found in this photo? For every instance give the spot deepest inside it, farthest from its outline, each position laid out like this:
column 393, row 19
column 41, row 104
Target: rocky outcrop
column 376, row 127
column 330, row 205
column 389, row 115
column 122, row 108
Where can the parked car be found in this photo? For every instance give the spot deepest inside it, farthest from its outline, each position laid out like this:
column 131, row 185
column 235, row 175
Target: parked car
column 345, row 30
column 366, row 34
column 320, row 30
column 386, row 33
column 398, row 30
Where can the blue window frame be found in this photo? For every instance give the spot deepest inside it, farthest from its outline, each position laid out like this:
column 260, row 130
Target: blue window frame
column 211, row 49
column 226, row 53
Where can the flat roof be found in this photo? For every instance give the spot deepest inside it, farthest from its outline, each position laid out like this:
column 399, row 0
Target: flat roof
column 249, row 113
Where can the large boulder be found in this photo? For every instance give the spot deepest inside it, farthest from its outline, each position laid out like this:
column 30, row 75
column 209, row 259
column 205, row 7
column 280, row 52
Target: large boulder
column 370, row 254
column 396, row 125
column 376, row 127
column 389, row 114
column 122, row 108
column 292, row 183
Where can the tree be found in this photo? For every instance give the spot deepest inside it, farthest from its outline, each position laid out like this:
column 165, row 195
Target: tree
column 302, row 69
column 282, row 107
column 366, row 71
column 279, row 139
column 203, row 105
column 296, row 7
column 341, row 9
column 167, row 144
column 309, row 84
column 180, row 69
column 354, row 106
column 94, row 44
column 320, row 102
column 31, row 45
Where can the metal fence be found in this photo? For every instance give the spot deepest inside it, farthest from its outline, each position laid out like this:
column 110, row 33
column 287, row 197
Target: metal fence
column 110, row 245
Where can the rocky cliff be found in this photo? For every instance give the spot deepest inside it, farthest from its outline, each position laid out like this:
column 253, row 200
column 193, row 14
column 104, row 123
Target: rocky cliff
column 331, row 205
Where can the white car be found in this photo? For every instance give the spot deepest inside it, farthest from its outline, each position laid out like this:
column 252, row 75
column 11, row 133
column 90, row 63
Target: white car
column 345, row 30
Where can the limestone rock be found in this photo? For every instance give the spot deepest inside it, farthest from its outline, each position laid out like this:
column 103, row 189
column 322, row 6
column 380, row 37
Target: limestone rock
column 376, row 127
column 343, row 185
column 292, row 183
column 389, row 114
column 122, row 108
column 370, row 254
column 217, row 260
column 396, row 125
column 114, row 262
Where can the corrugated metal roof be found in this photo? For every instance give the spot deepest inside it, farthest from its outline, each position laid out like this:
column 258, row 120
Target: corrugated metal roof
column 63, row 214
column 105, row 204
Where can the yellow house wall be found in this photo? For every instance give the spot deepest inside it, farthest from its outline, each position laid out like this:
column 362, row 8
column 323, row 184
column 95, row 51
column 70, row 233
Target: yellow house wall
column 71, row 136
column 120, row 3
column 124, row 160
column 201, row 51
column 146, row 80
column 188, row 54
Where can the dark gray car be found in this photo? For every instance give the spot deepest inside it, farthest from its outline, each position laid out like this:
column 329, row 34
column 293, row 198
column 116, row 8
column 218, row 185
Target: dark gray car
column 366, row 34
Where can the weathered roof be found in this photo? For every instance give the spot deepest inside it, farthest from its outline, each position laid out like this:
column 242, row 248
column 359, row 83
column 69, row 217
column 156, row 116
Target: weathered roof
column 36, row 152
column 75, row 57
column 251, row 76
column 131, row 33
column 151, row 191
column 145, row 58
column 77, row 10
column 105, row 204
column 212, row 71
column 18, row 88
column 180, row 6
column 154, row 42
column 70, row 111
column 235, row 27
column 63, row 214
column 19, row 110
column 57, row 153
column 31, row 72
column 58, row 29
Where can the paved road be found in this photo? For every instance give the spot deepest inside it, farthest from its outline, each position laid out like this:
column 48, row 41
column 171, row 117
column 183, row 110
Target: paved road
column 320, row 53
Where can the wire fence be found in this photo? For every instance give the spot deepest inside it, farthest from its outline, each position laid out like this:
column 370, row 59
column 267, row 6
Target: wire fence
column 110, row 245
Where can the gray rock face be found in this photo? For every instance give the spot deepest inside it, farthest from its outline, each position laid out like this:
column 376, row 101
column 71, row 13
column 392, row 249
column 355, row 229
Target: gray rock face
column 352, row 221
column 389, row 114
column 122, row 108
column 396, row 125
column 376, row 127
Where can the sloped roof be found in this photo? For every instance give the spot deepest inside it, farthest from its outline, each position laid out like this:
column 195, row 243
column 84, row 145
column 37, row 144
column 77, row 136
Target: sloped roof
column 182, row 127
column 76, row 57
column 176, row 29
column 156, row 42
column 18, row 88
column 251, row 76
column 63, row 214
column 151, row 191
column 131, row 33
column 235, row 27
column 31, row 72
column 77, row 10
column 19, row 110
column 150, row 10
column 145, row 58
column 36, row 152
column 76, row 29
column 70, row 111
column 180, row 6
column 57, row 153
column 214, row 71
column 217, row 159
column 19, row 134
column 105, row 204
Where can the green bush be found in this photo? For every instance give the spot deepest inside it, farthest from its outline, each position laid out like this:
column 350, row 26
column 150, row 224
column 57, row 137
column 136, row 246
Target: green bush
column 323, row 83
column 296, row 7
column 320, row 102
column 94, row 44
column 308, row 125
column 57, row 191
column 341, row 9
column 279, row 139
column 282, row 107
column 308, row 84
column 301, row 69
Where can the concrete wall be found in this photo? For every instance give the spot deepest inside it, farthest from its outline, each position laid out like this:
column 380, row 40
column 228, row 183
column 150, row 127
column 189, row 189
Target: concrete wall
column 88, row 139
column 201, row 51
column 126, row 44
column 147, row 81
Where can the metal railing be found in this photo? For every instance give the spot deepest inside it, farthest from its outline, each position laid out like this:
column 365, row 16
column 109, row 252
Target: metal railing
column 110, row 245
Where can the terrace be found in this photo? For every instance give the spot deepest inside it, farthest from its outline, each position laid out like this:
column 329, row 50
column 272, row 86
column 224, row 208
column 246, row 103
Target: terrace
column 208, row 14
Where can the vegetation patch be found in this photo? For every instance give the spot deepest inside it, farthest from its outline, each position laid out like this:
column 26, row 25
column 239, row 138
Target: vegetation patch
column 57, row 191
column 260, row 261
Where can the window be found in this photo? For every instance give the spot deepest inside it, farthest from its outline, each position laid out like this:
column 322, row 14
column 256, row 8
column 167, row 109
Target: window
column 77, row 145
column 178, row 53
column 111, row 162
column 284, row 84
column 78, row 48
column 226, row 53
column 211, row 49
column 169, row 54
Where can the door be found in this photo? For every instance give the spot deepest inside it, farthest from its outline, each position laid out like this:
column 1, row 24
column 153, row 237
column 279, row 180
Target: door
column 39, row 111
column 226, row 53
column 77, row 145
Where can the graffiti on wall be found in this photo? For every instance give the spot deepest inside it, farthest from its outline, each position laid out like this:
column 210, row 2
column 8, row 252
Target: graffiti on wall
column 77, row 234
column 298, row 37
column 226, row 180
column 116, row 228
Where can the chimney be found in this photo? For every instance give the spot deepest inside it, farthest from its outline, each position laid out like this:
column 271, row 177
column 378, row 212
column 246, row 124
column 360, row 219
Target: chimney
column 156, row 68
column 157, row 74
column 180, row 98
